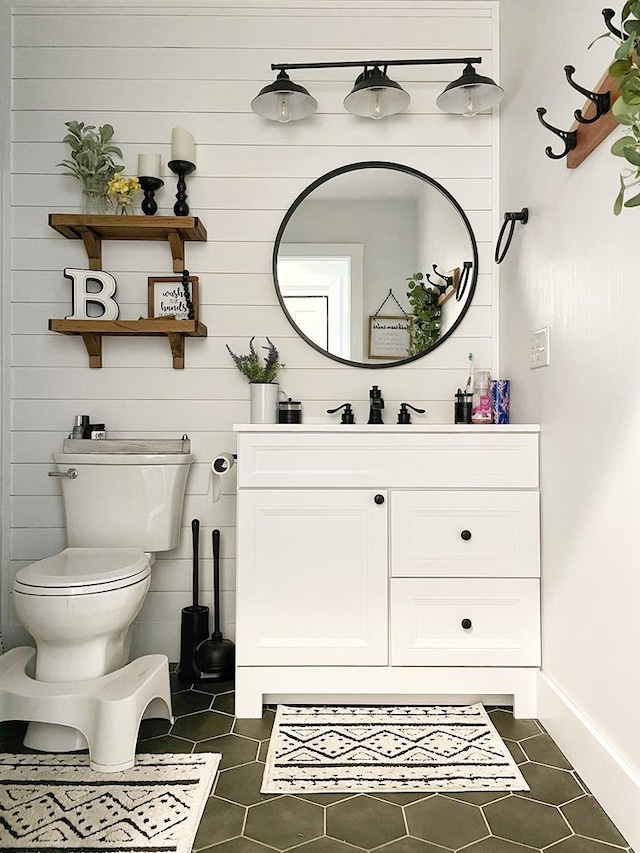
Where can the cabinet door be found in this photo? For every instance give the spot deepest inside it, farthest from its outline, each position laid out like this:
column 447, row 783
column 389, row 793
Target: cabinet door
column 465, row 534
column 312, row 577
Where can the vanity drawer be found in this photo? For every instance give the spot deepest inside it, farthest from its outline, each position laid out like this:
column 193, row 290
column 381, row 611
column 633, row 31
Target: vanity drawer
column 372, row 459
column 465, row 534
column 465, row 622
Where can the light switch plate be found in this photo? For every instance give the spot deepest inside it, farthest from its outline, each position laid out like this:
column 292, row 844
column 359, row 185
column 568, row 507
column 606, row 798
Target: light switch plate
column 539, row 352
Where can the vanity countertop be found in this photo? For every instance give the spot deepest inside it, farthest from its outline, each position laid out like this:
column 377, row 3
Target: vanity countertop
column 388, row 428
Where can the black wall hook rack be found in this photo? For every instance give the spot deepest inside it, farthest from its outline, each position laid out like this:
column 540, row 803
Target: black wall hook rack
column 510, row 219
column 609, row 15
column 569, row 137
column 600, row 100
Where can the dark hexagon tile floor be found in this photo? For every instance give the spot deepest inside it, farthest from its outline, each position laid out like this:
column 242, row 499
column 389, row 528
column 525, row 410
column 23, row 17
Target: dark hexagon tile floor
column 558, row 814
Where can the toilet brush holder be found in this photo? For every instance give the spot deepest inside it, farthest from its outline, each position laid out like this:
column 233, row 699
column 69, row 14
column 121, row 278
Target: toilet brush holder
column 194, row 628
column 194, row 623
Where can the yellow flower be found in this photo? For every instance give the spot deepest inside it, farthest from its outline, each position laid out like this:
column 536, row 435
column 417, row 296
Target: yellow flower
column 124, row 186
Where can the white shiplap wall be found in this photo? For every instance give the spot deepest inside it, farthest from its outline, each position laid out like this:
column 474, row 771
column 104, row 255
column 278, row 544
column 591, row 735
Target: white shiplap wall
column 145, row 70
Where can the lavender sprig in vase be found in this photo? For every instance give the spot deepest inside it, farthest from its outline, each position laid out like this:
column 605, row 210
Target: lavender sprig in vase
column 263, row 388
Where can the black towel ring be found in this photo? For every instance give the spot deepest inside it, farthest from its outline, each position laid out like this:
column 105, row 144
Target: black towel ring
column 509, row 219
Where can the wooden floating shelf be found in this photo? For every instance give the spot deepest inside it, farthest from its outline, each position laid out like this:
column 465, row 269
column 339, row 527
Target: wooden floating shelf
column 92, row 230
column 591, row 135
column 92, row 332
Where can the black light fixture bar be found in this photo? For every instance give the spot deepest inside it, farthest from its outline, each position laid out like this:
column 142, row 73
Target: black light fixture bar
column 281, row 66
column 374, row 94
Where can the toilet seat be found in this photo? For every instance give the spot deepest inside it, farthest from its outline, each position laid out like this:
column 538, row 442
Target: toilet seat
column 82, row 571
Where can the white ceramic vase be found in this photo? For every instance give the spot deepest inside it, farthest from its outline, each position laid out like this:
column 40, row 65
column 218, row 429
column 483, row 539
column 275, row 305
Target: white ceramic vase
column 264, row 402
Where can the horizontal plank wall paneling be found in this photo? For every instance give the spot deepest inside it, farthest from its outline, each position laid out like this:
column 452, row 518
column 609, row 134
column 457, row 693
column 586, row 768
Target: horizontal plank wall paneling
column 148, row 69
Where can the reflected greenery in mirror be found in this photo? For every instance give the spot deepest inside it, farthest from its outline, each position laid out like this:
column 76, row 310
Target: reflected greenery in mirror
column 345, row 261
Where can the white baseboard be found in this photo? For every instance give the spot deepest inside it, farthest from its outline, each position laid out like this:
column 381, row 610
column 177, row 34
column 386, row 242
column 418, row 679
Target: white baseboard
column 609, row 778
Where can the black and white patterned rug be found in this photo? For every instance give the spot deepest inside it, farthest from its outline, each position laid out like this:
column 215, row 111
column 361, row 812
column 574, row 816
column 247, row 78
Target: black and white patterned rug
column 55, row 802
column 324, row 748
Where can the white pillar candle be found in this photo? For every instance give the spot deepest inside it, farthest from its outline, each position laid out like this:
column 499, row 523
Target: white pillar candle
column 149, row 165
column 183, row 145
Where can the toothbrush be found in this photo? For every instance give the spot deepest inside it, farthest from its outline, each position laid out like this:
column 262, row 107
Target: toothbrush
column 471, row 379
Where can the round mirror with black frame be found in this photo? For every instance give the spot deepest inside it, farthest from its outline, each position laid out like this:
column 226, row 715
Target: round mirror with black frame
column 375, row 264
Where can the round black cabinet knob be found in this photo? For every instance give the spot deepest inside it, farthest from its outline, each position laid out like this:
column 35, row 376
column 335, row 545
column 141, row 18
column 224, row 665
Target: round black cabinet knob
column 466, row 624
column 379, row 499
column 466, row 535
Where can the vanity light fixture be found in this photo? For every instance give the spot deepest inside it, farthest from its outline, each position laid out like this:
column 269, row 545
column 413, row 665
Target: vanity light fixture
column 374, row 94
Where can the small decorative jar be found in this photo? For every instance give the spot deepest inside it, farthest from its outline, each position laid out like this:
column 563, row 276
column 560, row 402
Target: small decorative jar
column 289, row 411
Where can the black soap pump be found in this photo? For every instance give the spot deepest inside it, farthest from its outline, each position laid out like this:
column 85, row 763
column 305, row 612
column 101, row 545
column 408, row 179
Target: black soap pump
column 347, row 415
column 404, row 415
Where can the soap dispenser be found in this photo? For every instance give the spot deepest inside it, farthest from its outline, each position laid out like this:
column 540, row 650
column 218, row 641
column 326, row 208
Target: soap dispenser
column 404, row 415
column 347, row 415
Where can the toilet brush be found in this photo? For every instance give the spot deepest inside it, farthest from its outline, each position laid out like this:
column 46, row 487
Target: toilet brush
column 216, row 657
column 194, row 626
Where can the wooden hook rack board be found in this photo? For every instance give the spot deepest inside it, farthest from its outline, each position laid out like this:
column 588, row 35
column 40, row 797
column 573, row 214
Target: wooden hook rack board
column 591, row 135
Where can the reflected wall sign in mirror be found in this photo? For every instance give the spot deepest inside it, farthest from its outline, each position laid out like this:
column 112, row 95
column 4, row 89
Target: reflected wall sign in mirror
column 346, row 252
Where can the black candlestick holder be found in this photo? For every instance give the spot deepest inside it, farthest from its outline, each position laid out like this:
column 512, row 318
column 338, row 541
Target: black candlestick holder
column 181, row 168
column 150, row 186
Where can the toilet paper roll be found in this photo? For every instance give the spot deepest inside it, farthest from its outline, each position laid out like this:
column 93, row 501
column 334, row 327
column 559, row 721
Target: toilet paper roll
column 220, row 467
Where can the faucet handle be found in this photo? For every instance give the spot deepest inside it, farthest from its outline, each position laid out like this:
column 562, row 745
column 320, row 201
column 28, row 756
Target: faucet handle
column 404, row 416
column 347, row 415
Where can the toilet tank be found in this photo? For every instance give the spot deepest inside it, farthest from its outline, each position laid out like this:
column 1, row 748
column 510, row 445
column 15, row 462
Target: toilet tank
column 124, row 499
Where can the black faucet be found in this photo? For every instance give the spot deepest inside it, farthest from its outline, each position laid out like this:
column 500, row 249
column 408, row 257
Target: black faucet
column 375, row 406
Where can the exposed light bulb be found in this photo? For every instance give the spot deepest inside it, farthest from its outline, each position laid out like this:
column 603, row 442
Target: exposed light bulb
column 284, row 113
column 469, row 111
column 376, row 109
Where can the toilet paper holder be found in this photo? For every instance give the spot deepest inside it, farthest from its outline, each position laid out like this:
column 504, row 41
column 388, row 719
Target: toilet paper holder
column 220, row 464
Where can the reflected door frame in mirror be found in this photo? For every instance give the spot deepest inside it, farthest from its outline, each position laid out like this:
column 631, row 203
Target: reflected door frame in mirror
column 470, row 274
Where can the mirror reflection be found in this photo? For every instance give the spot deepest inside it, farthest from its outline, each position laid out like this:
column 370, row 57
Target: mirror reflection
column 375, row 264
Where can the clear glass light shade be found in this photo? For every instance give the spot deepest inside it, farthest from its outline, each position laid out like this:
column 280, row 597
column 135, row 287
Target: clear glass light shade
column 375, row 96
column 470, row 94
column 283, row 100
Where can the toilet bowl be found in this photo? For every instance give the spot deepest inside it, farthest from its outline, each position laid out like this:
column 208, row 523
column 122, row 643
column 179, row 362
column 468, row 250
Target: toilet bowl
column 79, row 605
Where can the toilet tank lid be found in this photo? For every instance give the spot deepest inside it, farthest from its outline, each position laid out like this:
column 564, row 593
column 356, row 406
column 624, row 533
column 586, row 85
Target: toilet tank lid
column 123, row 458
column 127, row 445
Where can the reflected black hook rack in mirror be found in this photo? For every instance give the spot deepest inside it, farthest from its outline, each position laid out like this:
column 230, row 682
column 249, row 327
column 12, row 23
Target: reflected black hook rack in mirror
column 569, row 137
column 448, row 279
column 467, row 266
column 509, row 218
column 601, row 100
column 609, row 15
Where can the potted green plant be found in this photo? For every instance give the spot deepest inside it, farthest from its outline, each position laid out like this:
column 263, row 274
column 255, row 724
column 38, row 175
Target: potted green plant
column 92, row 162
column 261, row 374
column 626, row 69
column 426, row 314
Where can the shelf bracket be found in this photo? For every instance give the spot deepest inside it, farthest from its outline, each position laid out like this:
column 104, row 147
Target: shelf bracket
column 93, row 343
column 93, row 245
column 177, row 350
column 176, row 244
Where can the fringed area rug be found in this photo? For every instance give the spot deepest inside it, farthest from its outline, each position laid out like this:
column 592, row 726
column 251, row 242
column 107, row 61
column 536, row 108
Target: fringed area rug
column 337, row 748
column 55, row 802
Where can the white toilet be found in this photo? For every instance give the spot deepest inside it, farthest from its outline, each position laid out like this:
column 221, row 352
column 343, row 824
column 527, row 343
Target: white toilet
column 121, row 508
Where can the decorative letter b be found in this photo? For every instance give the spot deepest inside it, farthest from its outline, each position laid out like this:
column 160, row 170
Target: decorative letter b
column 81, row 297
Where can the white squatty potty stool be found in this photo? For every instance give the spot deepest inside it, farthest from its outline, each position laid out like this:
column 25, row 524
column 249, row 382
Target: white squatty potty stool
column 79, row 605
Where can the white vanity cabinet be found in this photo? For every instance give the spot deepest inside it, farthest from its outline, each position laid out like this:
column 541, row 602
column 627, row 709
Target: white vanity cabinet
column 387, row 563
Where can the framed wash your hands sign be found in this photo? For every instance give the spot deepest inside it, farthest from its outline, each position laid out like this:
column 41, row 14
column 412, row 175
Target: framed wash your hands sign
column 173, row 296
